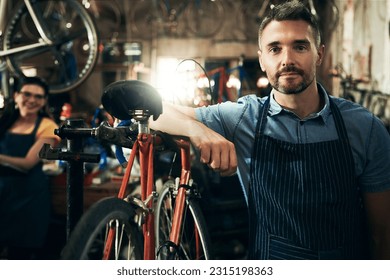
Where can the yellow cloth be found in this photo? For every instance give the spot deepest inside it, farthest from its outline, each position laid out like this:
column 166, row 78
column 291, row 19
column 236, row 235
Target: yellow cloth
column 46, row 129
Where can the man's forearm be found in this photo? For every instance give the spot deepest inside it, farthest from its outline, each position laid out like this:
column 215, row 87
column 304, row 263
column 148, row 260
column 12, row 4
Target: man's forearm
column 215, row 150
column 175, row 120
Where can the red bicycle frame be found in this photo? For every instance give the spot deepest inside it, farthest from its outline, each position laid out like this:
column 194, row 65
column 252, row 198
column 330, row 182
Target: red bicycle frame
column 143, row 148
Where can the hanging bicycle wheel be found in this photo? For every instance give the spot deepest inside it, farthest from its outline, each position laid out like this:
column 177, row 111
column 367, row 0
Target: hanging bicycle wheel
column 88, row 239
column 195, row 241
column 205, row 18
column 109, row 16
column 146, row 18
column 72, row 54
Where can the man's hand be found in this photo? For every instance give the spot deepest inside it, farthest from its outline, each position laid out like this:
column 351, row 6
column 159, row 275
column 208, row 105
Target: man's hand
column 217, row 152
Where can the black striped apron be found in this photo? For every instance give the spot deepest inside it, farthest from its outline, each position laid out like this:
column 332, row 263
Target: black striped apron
column 303, row 198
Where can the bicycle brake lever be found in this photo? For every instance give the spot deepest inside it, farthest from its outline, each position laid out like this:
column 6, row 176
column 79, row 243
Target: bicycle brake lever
column 120, row 136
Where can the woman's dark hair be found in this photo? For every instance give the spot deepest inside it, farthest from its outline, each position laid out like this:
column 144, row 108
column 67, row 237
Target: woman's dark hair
column 10, row 113
column 33, row 81
column 292, row 10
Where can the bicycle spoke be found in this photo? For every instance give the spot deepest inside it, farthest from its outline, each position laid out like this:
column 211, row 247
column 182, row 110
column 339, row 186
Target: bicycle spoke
column 205, row 17
column 71, row 58
column 191, row 245
column 106, row 231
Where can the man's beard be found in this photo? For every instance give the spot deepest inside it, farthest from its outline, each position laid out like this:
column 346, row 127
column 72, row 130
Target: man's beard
column 289, row 89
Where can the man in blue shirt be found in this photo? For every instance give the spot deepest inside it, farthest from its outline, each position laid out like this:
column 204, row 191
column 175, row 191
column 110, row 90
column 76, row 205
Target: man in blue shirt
column 315, row 169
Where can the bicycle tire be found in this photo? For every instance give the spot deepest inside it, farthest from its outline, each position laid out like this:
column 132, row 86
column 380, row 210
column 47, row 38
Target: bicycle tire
column 163, row 221
column 87, row 240
column 250, row 18
column 146, row 18
column 71, row 58
column 109, row 16
column 205, row 18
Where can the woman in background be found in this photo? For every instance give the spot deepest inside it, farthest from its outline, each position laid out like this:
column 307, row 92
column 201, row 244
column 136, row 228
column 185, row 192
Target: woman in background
column 25, row 126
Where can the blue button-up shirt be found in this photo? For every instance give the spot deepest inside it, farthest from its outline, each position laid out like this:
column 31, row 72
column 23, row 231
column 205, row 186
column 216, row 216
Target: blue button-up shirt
column 370, row 141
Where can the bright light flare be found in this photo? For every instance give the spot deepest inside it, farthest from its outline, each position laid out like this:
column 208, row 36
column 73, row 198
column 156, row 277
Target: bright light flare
column 176, row 83
column 233, row 82
column 262, row 82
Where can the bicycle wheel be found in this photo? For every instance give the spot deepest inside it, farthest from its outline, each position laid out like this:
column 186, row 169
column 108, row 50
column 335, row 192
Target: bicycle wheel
column 87, row 241
column 195, row 241
column 109, row 16
column 146, row 18
column 205, row 18
column 71, row 57
column 250, row 16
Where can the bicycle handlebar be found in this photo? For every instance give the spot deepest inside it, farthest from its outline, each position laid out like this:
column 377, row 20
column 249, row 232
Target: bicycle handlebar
column 65, row 131
column 123, row 136
column 120, row 136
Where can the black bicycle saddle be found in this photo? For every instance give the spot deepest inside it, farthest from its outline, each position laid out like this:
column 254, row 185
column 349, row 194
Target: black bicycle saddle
column 121, row 98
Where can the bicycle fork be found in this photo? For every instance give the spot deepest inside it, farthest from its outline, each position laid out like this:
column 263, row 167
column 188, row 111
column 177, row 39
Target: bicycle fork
column 180, row 205
column 143, row 147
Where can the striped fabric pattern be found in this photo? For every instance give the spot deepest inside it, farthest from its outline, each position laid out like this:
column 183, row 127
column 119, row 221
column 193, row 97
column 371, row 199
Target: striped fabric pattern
column 304, row 198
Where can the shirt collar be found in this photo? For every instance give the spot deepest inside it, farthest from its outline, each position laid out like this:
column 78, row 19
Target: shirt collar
column 275, row 108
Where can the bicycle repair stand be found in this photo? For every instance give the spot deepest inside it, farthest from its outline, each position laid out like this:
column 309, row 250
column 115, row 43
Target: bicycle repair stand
column 75, row 159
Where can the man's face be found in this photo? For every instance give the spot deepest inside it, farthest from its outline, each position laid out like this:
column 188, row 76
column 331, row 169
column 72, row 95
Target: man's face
column 289, row 56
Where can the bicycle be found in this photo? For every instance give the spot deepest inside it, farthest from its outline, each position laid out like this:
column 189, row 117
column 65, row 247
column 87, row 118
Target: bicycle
column 203, row 18
column 56, row 40
column 109, row 16
column 226, row 89
column 165, row 224
column 361, row 91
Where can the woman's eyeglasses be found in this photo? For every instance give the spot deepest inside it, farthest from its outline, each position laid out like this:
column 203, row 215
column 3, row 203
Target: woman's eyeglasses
column 36, row 96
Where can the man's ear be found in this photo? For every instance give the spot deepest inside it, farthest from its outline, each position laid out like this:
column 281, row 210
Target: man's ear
column 320, row 53
column 260, row 60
